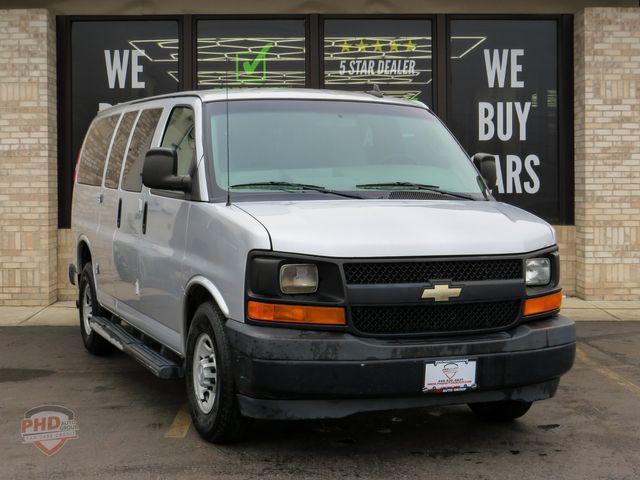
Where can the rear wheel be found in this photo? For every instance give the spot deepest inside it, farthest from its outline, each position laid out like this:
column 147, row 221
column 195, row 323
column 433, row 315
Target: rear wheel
column 89, row 306
column 210, row 384
column 504, row 411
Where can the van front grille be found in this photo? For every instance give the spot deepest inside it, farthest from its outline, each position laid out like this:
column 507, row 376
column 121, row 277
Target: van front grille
column 424, row 272
column 433, row 319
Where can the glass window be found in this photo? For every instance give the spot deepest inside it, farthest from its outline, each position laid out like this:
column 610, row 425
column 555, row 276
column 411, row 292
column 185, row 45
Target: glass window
column 503, row 100
column 338, row 145
column 394, row 54
column 95, row 151
column 138, row 148
column 117, row 150
column 180, row 136
column 116, row 61
column 251, row 53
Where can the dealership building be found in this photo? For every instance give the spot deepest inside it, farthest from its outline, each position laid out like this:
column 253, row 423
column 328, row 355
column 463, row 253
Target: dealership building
column 551, row 88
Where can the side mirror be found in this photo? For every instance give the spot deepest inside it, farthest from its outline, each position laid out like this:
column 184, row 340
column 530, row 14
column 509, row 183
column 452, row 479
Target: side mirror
column 486, row 165
column 159, row 171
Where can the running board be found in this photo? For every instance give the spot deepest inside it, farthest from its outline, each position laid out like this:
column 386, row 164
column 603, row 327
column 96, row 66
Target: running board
column 160, row 366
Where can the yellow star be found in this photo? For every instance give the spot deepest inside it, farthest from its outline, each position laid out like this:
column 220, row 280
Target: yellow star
column 362, row 46
column 346, row 47
column 393, row 46
column 377, row 47
column 410, row 46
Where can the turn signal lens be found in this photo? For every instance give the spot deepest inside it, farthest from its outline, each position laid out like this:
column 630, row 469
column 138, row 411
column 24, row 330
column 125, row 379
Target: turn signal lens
column 273, row 312
column 546, row 303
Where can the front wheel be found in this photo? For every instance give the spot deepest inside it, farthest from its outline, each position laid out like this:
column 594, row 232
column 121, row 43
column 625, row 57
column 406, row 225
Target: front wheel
column 209, row 378
column 504, row 411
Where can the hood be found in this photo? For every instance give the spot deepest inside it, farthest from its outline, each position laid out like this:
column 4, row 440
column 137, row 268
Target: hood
column 396, row 228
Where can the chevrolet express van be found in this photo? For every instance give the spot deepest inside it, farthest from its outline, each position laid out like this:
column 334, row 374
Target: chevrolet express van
column 301, row 254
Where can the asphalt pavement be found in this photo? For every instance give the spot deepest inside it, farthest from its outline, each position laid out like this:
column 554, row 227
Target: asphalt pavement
column 133, row 425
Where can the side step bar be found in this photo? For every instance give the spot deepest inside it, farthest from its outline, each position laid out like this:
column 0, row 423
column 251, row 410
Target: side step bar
column 158, row 365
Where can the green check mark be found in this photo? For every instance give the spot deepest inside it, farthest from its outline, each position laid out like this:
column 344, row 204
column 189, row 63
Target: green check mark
column 250, row 67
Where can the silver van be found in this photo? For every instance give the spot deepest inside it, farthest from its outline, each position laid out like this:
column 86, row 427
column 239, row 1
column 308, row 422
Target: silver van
column 311, row 254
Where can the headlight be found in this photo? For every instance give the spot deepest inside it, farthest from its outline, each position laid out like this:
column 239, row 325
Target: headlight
column 299, row 278
column 538, row 271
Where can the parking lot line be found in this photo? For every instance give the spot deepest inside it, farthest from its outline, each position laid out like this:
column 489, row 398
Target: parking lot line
column 180, row 425
column 610, row 374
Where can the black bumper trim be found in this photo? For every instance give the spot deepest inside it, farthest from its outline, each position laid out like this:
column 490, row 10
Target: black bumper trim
column 73, row 274
column 319, row 409
column 391, row 378
column 277, row 343
column 287, row 373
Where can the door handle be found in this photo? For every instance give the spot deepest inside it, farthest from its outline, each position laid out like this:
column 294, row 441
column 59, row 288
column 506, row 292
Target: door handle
column 119, row 213
column 144, row 219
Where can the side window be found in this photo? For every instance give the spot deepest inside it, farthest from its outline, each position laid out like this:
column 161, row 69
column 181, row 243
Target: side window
column 117, row 150
column 140, row 144
column 180, row 136
column 95, row 150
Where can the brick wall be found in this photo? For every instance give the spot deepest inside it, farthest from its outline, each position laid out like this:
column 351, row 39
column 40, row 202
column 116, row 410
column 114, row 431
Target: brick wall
column 566, row 238
column 607, row 153
column 28, row 158
column 600, row 255
column 66, row 255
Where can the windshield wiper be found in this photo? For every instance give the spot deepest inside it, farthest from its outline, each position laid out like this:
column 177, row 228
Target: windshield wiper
column 415, row 186
column 299, row 186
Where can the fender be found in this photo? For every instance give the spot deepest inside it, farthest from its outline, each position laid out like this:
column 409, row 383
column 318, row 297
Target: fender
column 213, row 290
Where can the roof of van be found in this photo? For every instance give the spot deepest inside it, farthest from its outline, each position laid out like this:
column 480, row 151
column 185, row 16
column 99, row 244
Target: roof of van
column 221, row 94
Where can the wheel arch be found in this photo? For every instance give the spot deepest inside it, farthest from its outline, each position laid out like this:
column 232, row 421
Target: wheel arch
column 198, row 290
column 83, row 253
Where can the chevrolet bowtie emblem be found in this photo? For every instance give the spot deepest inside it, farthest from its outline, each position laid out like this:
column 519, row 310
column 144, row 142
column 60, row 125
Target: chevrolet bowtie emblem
column 441, row 293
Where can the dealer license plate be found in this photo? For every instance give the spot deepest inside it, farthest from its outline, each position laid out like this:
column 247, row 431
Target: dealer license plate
column 450, row 376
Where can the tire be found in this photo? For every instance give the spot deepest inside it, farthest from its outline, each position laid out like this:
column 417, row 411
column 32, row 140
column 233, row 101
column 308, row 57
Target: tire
column 94, row 343
column 504, row 411
column 211, row 390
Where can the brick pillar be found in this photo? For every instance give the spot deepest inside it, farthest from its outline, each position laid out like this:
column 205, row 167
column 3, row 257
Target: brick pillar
column 607, row 153
column 28, row 158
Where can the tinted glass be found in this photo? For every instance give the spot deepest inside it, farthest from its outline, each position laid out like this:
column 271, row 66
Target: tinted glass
column 251, row 53
column 117, row 61
column 140, row 144
column 394, row 54
column 117, row 150
column 180, row 136
column 338, row 145
column 95, row 151
column 503, row 100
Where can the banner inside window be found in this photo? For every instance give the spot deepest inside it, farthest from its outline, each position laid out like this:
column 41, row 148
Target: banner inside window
column 395, row 55
column 503, row 100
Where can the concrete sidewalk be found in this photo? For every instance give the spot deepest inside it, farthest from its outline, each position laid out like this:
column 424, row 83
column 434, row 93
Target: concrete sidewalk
column 617, row 310
column 58, row 314
column 65, row 313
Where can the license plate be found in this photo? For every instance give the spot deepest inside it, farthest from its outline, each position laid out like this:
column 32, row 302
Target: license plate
column 450, row 376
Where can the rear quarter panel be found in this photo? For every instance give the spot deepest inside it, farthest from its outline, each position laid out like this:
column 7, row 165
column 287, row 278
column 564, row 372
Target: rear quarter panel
column 84, row 215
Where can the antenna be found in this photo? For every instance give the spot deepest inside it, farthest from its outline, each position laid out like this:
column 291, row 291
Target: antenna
column 226, row 87
column 376, row 91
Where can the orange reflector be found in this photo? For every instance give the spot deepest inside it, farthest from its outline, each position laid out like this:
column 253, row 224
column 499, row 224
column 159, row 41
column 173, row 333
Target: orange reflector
column 543, row 304
column 272, row 312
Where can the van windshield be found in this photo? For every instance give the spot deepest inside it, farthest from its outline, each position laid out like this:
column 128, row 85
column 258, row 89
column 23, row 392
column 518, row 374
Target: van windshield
column 340, row 146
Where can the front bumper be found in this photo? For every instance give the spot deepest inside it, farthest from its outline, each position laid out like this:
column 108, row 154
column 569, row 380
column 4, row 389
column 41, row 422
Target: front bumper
column 293, row 374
